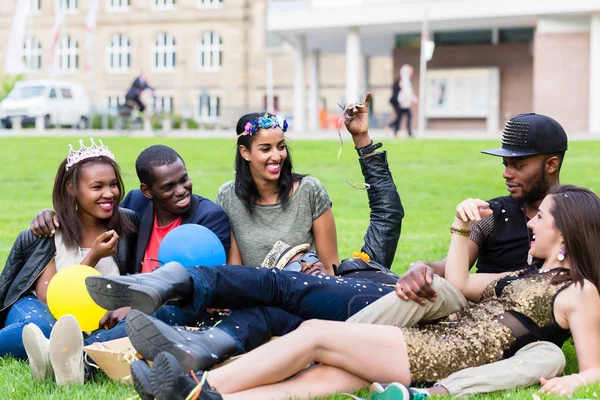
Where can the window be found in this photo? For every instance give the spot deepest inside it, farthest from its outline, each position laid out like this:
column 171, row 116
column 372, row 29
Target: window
column 52, row 94
column 119, row 53
column 32, row 54
column 209, row 3
column 164, row 52
column 273, row 41
column 163, row 104
column 33, row 5
column 408, row 40
column 462, row 37
column 118, row 5
column 113, row 102
column 69, row 5
column 66, row 93
column 209, row 107
column 163, row 4
column 210, row 56
column 67, row 54
column 516, row 35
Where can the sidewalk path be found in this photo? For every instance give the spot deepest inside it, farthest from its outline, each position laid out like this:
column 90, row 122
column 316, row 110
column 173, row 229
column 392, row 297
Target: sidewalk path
column 229, row 134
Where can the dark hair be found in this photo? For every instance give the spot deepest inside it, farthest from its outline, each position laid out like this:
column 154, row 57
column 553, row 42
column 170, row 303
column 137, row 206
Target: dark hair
column 154, row 156
column 576, row 213
column 64, row 203
column 245, row 188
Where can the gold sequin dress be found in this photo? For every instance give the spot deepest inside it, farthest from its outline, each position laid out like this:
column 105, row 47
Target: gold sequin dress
column 480, row 334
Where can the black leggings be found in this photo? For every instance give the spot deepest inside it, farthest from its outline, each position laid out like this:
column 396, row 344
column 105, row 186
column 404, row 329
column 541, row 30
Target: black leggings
column 395, row 124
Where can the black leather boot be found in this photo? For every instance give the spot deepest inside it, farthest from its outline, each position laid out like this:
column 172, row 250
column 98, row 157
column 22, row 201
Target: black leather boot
column 145, row 292
column 169, row 382
column 140, row 374
column 201, row 349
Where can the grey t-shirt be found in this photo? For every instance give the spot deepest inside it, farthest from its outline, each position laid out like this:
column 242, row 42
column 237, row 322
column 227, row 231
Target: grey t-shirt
column 257, row 233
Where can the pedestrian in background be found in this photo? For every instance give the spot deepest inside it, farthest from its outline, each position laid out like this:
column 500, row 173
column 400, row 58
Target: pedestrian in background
column 402, row 99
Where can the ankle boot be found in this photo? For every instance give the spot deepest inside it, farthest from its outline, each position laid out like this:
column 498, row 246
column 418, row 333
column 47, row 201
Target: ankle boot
column 140, row 374
column 193, row 350
column 169, row 382
column 144, row 292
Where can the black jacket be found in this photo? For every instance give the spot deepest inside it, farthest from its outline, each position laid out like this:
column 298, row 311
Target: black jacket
column 137, row 87
column 395, row 92
column 383, row 233
column 30, row 255
column 202, row 211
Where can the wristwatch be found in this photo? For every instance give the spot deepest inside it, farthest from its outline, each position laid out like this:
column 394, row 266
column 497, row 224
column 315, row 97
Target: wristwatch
column 363, row 151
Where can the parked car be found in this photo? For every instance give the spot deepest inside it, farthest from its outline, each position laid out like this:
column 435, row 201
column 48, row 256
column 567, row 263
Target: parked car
column 57, row 102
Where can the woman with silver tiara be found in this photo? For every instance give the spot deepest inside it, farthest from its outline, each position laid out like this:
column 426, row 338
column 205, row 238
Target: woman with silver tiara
column 95, row 232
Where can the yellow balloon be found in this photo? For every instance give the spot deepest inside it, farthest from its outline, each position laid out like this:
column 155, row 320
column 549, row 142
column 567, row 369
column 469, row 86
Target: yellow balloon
column 67, row 294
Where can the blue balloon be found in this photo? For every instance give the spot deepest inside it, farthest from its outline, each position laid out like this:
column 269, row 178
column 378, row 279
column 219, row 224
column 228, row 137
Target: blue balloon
column 192, row 245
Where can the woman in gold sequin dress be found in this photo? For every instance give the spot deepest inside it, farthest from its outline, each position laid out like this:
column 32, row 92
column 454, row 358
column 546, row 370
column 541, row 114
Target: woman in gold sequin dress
column 561, row 296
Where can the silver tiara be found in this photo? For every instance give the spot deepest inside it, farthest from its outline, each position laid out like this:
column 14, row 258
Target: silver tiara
column 84, row 152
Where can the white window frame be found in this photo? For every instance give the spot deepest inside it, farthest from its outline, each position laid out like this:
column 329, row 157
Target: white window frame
column 69, row 6
column 163, row 104
column 161, row 5
column 210, row 52
column 113, row 101
column 118, row 5
column 209, row 107
column 164, row 52
column 209, row 3
column 118, row 53
column 33, row 6
column 67, row 54
column 32, row 54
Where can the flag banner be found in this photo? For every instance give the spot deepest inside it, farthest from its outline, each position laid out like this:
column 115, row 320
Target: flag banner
column 90, row 38
column 56, row 31
column 14, row 63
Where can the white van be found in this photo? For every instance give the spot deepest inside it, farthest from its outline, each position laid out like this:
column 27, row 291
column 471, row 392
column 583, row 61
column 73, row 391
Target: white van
column 57, row 102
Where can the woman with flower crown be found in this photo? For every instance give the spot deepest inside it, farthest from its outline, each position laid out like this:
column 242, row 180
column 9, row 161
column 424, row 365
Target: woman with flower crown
column 268, row 202
column 88, row 189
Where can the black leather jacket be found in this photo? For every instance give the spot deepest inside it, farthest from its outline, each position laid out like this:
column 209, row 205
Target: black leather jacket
column 30, row 255
column 383, row 233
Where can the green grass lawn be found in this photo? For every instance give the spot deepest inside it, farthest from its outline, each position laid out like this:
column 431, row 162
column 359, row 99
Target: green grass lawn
column 431, row 176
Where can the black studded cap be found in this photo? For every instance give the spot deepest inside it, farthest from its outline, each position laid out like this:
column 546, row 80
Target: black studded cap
column 531, row 134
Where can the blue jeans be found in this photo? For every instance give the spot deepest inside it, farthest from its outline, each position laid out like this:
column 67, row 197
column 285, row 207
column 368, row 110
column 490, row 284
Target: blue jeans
column 306, row 296
column 269, row 302
column 29, row 310
column 26, row 310
column 251, row 327
column 169, row 314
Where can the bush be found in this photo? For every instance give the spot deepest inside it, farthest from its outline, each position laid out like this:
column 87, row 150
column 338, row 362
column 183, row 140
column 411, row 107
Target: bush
column 178, row 122
column 97, row 121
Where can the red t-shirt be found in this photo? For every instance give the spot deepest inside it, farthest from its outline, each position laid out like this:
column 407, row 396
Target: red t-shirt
column 156, row 236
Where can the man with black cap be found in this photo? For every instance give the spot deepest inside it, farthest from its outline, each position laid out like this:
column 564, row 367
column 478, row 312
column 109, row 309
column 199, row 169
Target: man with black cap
column 533, row 148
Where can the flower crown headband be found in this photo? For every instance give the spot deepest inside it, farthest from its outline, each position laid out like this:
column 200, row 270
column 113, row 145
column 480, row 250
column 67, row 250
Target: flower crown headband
column 84, row 152
column 266, row 122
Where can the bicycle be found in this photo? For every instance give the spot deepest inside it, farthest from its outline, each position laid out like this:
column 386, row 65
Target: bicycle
column 128, row 117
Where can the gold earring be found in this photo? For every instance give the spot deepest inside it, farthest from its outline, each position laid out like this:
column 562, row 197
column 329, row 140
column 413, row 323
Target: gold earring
column 561, row 255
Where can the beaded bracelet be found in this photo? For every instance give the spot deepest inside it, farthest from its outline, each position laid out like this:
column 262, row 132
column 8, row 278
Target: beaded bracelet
column 460, row 231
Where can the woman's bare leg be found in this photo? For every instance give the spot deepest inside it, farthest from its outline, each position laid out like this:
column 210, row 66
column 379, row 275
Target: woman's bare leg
column 370, row 352
column 319, row 381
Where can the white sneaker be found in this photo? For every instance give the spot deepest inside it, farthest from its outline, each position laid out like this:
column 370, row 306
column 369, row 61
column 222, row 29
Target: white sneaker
column 38, row 352
column 66, row 351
